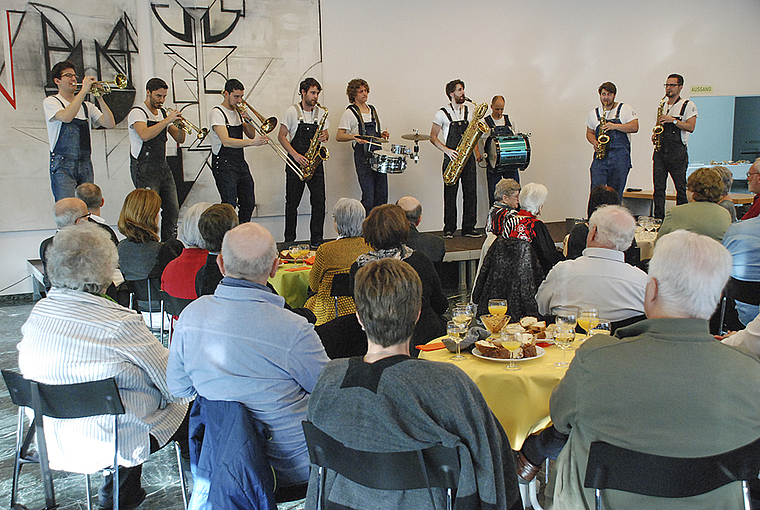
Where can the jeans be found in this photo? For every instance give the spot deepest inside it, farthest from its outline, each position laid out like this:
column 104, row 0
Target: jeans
column 669, row 160
column 158, row 177
column 374, row 185
column 66, row 173
column 235, row 185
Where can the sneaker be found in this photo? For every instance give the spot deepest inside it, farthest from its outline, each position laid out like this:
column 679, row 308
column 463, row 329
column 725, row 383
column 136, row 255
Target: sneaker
column 472, row 233
column 448, row 235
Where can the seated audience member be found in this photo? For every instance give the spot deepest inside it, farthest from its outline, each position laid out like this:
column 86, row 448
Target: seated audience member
column 600, row 278
column 241, row 345
column 213, row 224
column 725, row 199
column 530, row 228
column 742, row 240
column 503, row 214
column 67, row 212
column 662, row 386
column 753, row 184
column 388, row 401
column 178, row 278
column 429, row 244
column 77, row 335
column 91, row 195
column 576, row 241
column 335, row 257
column 385, row 230
column 748, row 338
column 141, row 254
column 702, row 215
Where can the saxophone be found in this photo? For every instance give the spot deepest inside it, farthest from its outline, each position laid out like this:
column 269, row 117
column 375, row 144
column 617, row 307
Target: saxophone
column 603, row 141
column 466, row 145
column 316, row 153
column 658, row 128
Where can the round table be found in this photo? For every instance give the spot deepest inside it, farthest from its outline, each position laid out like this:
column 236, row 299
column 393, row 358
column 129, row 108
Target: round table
column 292, row 285
column 520, row 398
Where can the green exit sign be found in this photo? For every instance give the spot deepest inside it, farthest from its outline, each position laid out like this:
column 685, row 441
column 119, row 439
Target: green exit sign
column 701, row 89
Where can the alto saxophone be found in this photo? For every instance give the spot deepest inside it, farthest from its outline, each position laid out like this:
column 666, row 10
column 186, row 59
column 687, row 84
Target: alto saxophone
column 466, row 145
column 602, row 142
column 658, row 128
column 316, row 153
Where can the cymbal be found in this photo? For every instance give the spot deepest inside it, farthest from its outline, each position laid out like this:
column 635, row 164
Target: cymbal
column 373, row 139
column 416, row 137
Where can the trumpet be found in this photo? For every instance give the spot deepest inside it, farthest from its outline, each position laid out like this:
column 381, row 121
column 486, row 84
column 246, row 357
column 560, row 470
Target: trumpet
column 188, row 127
column 106, row 87
column 266, row 126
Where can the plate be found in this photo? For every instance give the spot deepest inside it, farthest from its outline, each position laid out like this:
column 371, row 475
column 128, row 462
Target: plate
column 539, row 352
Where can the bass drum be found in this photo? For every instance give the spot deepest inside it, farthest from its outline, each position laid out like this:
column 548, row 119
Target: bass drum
column 509, row 151
column 387, row 162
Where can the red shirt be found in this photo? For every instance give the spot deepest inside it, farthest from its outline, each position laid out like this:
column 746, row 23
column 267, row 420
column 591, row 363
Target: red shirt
column 754, row 211
column 178, row 278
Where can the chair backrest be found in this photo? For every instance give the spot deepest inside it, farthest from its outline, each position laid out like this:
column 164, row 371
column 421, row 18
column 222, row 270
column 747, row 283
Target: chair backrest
column 66, row 400
column 437, row 466
column 174, row 305
column 613, row 467
column 341, row 285
column 148, row 293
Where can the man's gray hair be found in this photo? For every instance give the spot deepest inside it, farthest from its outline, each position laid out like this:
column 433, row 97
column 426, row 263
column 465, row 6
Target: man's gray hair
column 532, row 197
column 242, row 266
column 691, row 271
column 82, row 257
column 190, row 235
column 615, row 226
column 507, row 187
column 67, row 216
column 349, row 214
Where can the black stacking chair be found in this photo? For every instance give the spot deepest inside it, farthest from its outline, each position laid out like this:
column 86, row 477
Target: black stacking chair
column 174, row 306
column 59, row 401
column 613, row 467
column 437, row 466
column 146, row 296
column 340, row 287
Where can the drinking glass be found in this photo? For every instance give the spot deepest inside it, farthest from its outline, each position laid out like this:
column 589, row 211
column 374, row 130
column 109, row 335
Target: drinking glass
column 569, row 318
column 497, row 306
column 300, row 251
column 456, row 332
column 602, row 328
column 462, row 315
column 511, row 342
column 588, row 318
column 563, row 338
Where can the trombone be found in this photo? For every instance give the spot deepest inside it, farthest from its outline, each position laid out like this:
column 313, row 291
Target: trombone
column 188, row 127
column 106, row 87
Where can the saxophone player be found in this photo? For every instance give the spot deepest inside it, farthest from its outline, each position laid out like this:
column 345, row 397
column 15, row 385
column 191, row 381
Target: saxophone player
column 297, row 129
column 612, row 122
column 678, row 119
column 450, row 122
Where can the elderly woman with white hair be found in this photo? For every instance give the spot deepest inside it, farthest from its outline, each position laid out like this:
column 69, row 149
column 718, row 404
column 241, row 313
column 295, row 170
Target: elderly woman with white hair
column 178, row 278
column 77, row 335
column 530, row 228
column 336, row 257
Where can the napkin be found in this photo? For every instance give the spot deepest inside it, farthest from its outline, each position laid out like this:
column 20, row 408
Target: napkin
column 299, row 268
column 474, row 334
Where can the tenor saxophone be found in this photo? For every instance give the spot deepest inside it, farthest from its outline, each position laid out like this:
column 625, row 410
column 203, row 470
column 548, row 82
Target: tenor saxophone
column 602, row 142
column 466, row 145
column 658, row 128
column 316, row 153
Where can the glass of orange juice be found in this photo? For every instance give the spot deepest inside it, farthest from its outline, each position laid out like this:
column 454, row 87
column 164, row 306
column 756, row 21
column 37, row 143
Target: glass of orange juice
column 511, row 342
column 588, row 318
column 497, row 306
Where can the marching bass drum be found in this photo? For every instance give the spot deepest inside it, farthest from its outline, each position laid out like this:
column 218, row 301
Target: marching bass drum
column 509, row 151
column 387, row 162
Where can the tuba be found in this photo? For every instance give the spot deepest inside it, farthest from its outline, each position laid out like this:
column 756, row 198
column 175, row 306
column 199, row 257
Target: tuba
column 316, row 153
column 466, row 145
column 602, row 142
column 658, row 128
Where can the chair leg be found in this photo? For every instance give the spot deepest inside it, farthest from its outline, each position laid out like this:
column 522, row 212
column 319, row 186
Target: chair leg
column 598, row 498
column 745, row 495
column 321, row 485
column 182, row 483
column 89, row 495
column 17, row 459
column 47, row 477
column 163, row 315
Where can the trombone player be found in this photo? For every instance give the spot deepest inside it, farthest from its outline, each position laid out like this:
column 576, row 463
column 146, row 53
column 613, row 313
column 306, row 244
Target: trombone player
column 69, row 119
column 228, row 122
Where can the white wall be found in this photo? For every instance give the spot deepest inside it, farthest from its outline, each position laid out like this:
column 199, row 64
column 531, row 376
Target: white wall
column 546, row 57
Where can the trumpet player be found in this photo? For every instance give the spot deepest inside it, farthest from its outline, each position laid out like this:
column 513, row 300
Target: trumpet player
column 69, row 119
column 297, row 129
column 148, row 124
column 613, row 123
column 678, row 119
column 451, row 122
column 228, row 122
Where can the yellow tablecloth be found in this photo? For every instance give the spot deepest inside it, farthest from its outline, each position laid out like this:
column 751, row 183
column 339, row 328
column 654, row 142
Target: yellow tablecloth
column 292, row 285
column 520, row 398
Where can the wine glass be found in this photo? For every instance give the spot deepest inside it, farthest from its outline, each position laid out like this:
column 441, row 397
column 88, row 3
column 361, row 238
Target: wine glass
column 462, row 315
column 588, row 318
column 563, row 338
column 511, row 342
column 497, row 306
column 603, row 327
column 569, row 318
column 456, row 332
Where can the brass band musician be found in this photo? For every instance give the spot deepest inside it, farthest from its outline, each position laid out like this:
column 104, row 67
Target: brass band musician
column 499, row 125
column 228, row 122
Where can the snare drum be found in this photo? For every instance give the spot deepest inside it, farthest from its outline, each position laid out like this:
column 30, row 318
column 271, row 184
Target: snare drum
column 387, row 162
column 400, row 149
column 509, row 151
